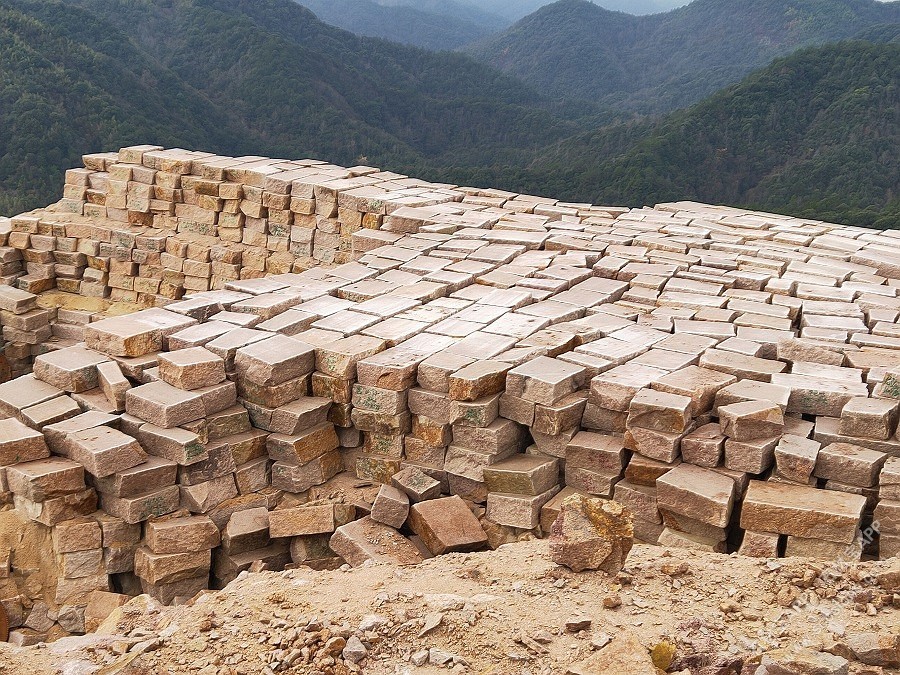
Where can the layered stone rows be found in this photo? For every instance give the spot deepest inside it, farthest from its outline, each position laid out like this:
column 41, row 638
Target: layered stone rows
column 733, row 378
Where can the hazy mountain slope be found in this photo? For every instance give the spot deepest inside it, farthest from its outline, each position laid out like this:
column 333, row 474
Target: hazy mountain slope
column 400, row 23
column 665, row 61
column 516, row 9
column 242, row 76
column 75, row 83
column 816, row 134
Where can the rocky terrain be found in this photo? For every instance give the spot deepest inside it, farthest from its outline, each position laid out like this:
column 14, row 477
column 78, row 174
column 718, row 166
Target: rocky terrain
column 508, row 611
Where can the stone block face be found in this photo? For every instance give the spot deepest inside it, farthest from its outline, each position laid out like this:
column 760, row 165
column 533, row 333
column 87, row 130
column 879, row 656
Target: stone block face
column 870, row 418
column 45, row 478
column 366, row 539
column 193, row 368
column 522, row 475
column 181, row 535
column 751, row 420
column 517, row 510
column 701, row 493
column 274, row 361
column 19, row 443
column 391, row 507
column 850, row 464
column 447, row 525
column 802, row 511
column 163, row 405
column 417, row 485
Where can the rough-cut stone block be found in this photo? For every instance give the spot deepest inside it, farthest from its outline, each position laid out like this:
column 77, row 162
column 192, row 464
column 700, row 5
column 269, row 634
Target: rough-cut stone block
column 45, row 478
column 751, row 420
column 850, row 464
column 203, row 497
column 704, row 446
column 154, row 474
column 305, row 447
column 659, row 411
column 696, row 492
column 193, row 368
column 57, row 509
column 246, row 530
column 391, row 507
column 544, row 380
column 795, row 458
column 302, row 414
column 113, row 384
column 752, row 457
column 181, row 535
column 870, row 418
column 163, row 405
column 134, row 510
column 300, row 478
column 700, row 384
column 802, row 511
column 78, row 534
column 447, row 525
column 73, row 369
column 103, row 450
column 522, row 475
column 309, row 519
column 517, row 510
column 482, row 378
column 759, row 544
column 19, row 443
column 366, row 539
column 275, row 360
column 163, row 568
column 889, row 479
column 417, row 485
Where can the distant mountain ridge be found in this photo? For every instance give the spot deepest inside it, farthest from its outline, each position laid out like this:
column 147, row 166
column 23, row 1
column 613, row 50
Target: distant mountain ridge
column 401, row 23
column 657, row 63
column 815, row 134
column 241, row 77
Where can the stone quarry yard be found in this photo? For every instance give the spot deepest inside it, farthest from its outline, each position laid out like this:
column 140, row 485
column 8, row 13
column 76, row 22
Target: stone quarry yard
column 328, row 391
column 507, row 611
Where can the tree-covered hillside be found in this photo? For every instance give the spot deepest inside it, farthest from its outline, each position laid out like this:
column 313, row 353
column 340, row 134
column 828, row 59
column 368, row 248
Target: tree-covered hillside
column 816, row 134
column 658, row 63
column 399, row 23
column 242, row 76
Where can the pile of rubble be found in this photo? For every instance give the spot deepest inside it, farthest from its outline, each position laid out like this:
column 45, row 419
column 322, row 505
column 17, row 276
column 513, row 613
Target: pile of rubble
column 732, row 378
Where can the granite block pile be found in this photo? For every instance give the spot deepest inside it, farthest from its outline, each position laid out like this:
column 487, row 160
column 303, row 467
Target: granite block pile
column 732, row 378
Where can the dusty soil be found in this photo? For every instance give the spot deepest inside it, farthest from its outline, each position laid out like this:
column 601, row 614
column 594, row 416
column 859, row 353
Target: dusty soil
column 497, row 612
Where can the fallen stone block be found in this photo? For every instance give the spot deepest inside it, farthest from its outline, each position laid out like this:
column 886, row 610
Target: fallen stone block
column 446, row 525
column 365, row 539
column 591, row 534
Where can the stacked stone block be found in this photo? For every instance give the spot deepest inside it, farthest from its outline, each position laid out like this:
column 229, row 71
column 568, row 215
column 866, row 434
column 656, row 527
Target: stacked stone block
column 731, row 377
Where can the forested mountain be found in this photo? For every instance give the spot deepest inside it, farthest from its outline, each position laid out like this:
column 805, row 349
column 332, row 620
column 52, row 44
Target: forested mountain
column 657, row 63
column 816, row 134
column 242, row 76
column 516, row 9
column 399, row 23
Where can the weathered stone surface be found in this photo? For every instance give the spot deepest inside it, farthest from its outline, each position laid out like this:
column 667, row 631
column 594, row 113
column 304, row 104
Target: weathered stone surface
column 517, row 510
column 591, row 534
column 274, row 361
column 870, row 418
column 446, row 525
column 164, row 568
column 796, row 457
column 751, row 420
column 391, row 507
column 45, row 478
column 417, row 485
column 181, row 535
column 73, row 369
column 798, row 660
column 365, row 539
column 701, row 493
column 802, row 511
column 192, row 368
column 659, row 411
column 850, row 464
column 164, row 405
column 522, row 474
column 19, row 443
column 759, row 544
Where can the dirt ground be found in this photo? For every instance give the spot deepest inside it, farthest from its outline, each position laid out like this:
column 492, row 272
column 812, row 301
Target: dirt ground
column 506, row 611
